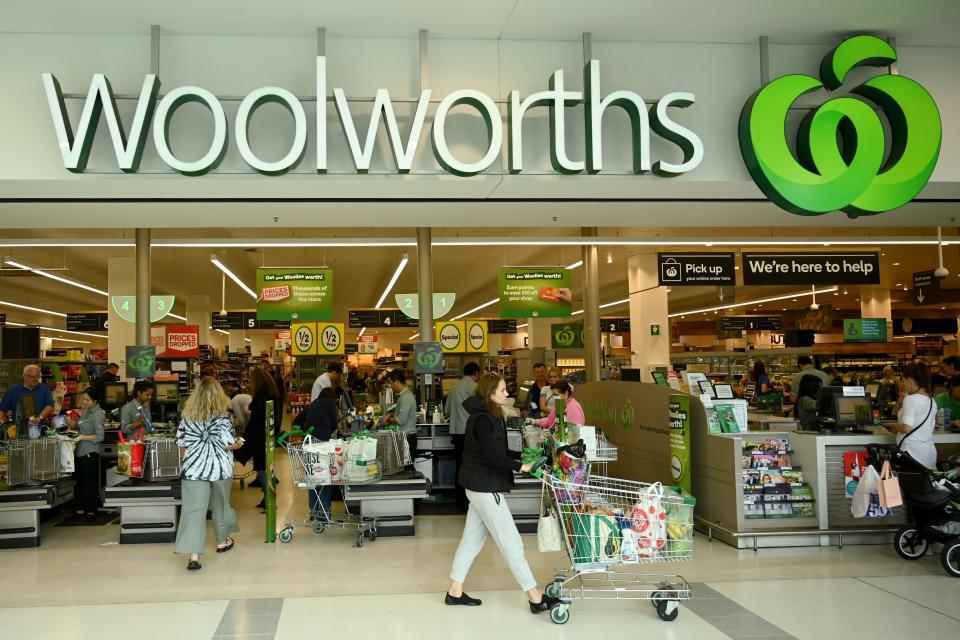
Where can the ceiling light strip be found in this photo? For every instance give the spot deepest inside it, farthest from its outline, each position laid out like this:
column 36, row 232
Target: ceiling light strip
column 396, row 275
column 750, row 302
column 40, row 272
column 233, row 276
column 36, row 309
column 482, row 306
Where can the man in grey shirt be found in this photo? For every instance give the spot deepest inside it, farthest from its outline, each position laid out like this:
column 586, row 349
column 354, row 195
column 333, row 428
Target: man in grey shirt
column 805, row 365
column 405, row 409
column 466, row 387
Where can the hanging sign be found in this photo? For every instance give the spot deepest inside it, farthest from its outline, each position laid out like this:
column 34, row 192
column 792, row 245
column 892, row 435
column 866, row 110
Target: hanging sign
column 501, row 326
column 696, row 269
column 865, row 330
column 380, row 319
column 409, row 304
column 450, row 336
column 368, row 344
column 535, row 292
column 330, row 339
column 126, row 307
column 96, row 321
column 180, row 341
column 750, row 323
column 780, row 268
column 244, row 320
column 427, row 357
column 567, row 335
column 615, row 325
column 303, row 339
column 141, row 361
column 476, row 332
column 294, row 294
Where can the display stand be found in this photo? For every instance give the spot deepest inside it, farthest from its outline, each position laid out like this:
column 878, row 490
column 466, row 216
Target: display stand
column 390, row 501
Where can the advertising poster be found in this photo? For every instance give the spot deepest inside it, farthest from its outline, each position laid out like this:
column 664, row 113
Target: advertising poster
column 535, row 292
column 330, row 339
column 294, row 294
column 304, row 339
column 476, row 332
column 450, row 335
column 680, row 441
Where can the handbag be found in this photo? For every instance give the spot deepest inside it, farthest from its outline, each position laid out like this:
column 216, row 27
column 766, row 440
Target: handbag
column 130, row 455
column 889, row 488
column 548, row 529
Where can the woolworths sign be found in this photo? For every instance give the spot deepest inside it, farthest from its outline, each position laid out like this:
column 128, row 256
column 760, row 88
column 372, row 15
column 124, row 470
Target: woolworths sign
column 129, row 140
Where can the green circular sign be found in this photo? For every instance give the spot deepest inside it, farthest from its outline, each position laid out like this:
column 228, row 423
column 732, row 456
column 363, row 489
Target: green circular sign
column 330, row 338
column 450, row 336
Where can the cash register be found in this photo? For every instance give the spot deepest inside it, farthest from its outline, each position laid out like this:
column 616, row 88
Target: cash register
column 843, row 412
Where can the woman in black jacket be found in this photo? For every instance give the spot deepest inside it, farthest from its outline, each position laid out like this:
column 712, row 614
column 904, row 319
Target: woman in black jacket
column 263, row 389
column 486, row 474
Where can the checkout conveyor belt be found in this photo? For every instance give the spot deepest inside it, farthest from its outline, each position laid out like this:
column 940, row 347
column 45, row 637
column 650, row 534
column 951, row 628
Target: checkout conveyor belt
column 390, row 501
column 148, row 510
column 20, row 511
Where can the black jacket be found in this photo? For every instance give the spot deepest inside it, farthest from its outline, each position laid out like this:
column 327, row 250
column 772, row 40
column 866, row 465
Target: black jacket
column 321, row 414
column 488, row 464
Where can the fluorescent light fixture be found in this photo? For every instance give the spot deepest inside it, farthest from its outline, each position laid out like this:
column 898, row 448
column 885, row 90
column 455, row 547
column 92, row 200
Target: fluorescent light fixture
column 577, row 312
column 69, row 340
column 37, row 309
column 76, row 333
column 362, row 331
column 178, row 317
column 40, row 272
column 226, row 333
column 247, row 340
column 396, row 275
column 414, row 336
column 232, row 276
column 578, row 263
column 484, row 305
column 521, row 326
column 613, row 304
column 758, row 301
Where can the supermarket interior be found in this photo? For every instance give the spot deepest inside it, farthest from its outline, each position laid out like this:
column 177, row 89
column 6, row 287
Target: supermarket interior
column 656, row 356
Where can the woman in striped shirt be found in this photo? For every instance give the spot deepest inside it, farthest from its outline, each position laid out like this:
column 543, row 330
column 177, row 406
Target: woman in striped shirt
column 206, row 438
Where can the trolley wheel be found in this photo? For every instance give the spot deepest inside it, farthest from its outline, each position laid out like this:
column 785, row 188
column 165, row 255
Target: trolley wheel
column 560, row 614
column 372, row 534
column 657, row 597
column 950, row 558
column 359, row 539
column 286, row 535
column 553, row 589
column 668, row 610
column 318, row 526
column 910, row 543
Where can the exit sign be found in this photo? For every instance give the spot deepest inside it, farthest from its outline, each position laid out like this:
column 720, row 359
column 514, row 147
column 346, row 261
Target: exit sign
column 654, row 329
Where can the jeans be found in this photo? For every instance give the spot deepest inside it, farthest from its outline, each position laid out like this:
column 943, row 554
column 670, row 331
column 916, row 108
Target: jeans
column 320, row 511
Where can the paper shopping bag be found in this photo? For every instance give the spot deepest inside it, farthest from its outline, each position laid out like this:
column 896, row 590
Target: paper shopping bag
column 889, row 487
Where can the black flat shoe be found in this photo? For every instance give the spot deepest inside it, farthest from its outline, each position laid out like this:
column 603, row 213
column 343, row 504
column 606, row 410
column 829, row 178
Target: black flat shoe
column 261, row 505
column 546, row 603
column 464, row 599
column 193, row 565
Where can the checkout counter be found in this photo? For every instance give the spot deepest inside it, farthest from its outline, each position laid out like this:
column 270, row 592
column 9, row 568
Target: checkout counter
column 20, row 511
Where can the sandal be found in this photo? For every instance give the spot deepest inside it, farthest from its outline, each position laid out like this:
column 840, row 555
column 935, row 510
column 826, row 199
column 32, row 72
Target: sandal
column 226, row 547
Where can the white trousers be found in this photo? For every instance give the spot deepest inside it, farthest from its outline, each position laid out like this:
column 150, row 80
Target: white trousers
column 489, row 515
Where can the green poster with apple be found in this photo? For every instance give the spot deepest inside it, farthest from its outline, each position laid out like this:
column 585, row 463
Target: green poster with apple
column 535, row 292
column 295, row 294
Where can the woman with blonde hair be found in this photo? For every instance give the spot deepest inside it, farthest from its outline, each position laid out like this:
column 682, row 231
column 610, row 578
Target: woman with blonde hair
column 548, row 399
column 206, row 438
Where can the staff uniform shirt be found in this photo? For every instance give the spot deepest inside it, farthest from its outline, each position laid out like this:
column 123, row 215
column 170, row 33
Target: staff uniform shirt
column 919, row 410
column 128, row 415
column 90, row 424
column 26, row 403
column 207, row 456
column 455, row 410
column 406, row 412
column 322, row 382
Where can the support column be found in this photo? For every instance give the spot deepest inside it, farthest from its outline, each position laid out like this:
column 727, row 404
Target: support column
column 236, row 340
column 198, row 313
column 591, row 309
column 875, row 303
column 538, row 333
column 425, row 282
column 120, row 333
column 648, row 306
column 143, row 286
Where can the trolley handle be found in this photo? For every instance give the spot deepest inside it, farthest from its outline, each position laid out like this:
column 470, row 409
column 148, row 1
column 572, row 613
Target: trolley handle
column 294, row 432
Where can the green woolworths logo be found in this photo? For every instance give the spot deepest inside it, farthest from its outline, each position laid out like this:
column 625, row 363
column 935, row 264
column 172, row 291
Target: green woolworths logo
column 851, row 174
column 429, row 358
column 565, row 337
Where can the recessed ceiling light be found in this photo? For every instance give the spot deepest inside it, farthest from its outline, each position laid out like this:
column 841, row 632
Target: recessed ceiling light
column 836, row 294
column 899, row 284
column 906, row 288
column 784, row 309
column 896, row 264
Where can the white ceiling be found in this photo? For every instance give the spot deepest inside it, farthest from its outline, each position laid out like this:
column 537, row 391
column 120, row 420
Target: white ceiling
column 930, row 22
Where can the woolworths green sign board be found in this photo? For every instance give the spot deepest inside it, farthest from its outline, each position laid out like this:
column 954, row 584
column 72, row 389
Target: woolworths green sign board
column 294, row 294
column 865, row 330
column 535, row 292
column 568, row 335
column 841, row 159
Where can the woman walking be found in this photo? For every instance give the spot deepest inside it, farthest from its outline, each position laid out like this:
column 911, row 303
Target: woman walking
column 486, row 474
column 206, row 438
column 263, row 389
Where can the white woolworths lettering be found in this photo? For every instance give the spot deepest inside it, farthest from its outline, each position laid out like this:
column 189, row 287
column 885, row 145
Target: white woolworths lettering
column 75, row 148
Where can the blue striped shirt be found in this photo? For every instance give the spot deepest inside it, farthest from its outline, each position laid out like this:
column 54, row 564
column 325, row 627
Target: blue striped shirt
column 207, row 456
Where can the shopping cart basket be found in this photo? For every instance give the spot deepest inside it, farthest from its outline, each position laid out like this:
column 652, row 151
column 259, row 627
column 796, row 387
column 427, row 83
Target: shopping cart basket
column 611, row 529
column 312, row 471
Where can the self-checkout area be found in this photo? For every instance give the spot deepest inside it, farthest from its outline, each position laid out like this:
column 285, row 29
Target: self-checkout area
column 753, row 489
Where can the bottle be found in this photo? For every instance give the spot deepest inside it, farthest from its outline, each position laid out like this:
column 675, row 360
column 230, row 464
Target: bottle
column 437, row 415
column 943, row 419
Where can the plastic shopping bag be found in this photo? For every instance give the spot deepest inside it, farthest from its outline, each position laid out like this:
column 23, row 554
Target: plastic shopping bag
column 130, row 455
column 361, row 460
column 649, row 521
column 317, row 461
column 866, row 499
column 67, row 448
column 889, row 488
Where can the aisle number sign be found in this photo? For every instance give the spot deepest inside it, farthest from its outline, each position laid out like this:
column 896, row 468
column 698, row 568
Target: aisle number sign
column 317, row 339
column 294, row 294
column 450, row 335
column 409, row 304
column 476, row 333
column 126, row 307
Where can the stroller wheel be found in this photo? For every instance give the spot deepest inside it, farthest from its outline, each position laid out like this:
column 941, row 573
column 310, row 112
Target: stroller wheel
column 910, row 543
column 950, row 558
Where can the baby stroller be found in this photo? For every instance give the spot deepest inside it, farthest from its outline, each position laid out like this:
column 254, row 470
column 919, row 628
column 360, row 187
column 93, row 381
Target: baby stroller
column 932, row 499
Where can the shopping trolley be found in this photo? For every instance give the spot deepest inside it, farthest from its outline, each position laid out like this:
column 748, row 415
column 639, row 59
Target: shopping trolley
column 311, row 471
column 611, row 529
column 602, row 455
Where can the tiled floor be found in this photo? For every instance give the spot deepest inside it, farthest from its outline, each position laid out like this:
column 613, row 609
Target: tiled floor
column 80, row 584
